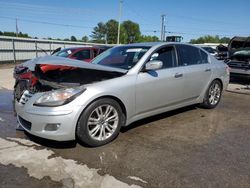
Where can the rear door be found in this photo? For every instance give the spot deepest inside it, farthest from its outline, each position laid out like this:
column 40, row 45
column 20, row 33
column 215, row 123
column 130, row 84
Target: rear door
column 196, row 70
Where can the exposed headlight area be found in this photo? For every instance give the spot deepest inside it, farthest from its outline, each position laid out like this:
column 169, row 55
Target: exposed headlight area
column 58, row 97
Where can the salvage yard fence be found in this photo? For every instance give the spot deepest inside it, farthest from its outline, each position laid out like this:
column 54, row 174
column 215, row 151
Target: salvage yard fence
column 16, row 49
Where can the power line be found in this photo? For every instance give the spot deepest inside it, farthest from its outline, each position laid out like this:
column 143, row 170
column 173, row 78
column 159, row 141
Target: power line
column 53, row 10
column 49, row 9
column 187, row 33
column 48, row 23
column 205, row 21
column 77, row 26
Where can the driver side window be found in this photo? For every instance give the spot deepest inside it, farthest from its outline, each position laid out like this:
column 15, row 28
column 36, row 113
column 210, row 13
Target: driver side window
column 167, row 55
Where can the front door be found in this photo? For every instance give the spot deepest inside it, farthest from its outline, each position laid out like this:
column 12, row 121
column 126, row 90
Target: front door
column 160, row 88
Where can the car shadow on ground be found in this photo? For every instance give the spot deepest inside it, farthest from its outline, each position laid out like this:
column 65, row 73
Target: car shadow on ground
column 51, row 143
column 73, row 143
column 157, row 117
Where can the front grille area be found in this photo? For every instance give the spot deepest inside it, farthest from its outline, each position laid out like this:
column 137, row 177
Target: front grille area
column 26, row 124
column 25, row 97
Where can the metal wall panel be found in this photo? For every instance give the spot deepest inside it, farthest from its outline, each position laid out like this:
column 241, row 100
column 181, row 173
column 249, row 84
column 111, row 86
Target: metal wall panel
column 19, row 49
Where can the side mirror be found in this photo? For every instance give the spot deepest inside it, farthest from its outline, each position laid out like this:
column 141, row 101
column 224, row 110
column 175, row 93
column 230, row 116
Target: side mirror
column 153, row 65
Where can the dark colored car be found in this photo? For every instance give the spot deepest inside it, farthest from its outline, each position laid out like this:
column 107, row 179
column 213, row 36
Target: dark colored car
column 239, row 57
column 25, row 79
column 222, row 52
column 210, row 50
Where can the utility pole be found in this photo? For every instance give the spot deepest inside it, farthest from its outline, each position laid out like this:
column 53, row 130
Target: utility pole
column 163, row 27
column 164, row 33
column 16, row 28
column 106, row 38
column 119, row 21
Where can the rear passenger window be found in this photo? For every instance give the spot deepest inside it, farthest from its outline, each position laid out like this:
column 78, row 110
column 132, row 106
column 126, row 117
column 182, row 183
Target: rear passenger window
column 204, row 57
column 166, row 55
column 189, row 55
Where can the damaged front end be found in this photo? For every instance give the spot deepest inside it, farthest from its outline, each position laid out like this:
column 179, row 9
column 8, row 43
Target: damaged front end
column 55, row 73
column 239, row 57
column 71, row 77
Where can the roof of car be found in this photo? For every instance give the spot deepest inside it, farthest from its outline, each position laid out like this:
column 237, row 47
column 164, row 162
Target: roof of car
column 83, row 47
column 151, row 44
column 203, row 46
column 143, row 44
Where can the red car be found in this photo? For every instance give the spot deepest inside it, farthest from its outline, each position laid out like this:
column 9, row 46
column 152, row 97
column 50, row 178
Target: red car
column 25, row 79
column 81, row 53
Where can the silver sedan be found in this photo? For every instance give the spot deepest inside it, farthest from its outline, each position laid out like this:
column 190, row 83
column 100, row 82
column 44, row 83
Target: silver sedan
column 92, row 101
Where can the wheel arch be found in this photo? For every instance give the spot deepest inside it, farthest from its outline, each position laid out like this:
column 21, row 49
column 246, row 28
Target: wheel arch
column 121, row 104
column 119, row 101
column 101, row 97
column 218, row 79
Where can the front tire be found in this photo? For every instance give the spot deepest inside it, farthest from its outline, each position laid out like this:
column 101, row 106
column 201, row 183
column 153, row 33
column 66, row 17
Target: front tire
column 100, row 122
column 213, row 95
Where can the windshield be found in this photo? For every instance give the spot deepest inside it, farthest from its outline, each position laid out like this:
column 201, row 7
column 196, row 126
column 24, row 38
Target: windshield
column 124, row 57
column 63, row 53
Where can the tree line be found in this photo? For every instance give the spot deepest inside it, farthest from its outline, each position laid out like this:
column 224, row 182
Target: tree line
column 13, row 34
column 129, row 33
column 210, row 39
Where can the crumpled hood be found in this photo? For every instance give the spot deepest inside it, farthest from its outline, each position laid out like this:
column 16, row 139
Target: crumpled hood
column 55, row 60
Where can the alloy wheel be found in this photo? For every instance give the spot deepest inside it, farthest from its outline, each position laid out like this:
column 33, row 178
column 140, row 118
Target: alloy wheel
column 102, row 122
column 214, row 93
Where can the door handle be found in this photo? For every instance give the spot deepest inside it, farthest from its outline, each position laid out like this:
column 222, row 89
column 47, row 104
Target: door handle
column 208, row 70
column 178, row 75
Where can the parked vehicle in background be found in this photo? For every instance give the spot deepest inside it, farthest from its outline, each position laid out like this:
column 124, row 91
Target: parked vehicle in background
column 92, row 101
column 81, row 53
column 239, row 57
column 174, row 38
column 25, row 79
column 210, row 50
column 222, row 52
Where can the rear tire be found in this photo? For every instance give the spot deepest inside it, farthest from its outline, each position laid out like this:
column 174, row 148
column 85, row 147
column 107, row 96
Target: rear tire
column 100, row 122
column 213, row 95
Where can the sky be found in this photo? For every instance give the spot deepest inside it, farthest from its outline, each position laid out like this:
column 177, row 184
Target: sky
column 188, row 18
